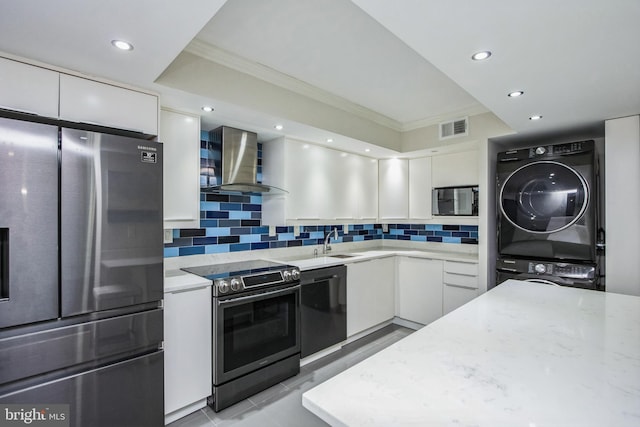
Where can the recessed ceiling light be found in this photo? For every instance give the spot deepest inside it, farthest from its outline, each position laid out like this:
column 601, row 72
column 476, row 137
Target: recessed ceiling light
column 344, row 154
column 329, row 140
column 366, row 150
column 480, row 56
column 516, row 94
column 122, row 45
column 279, row 127
column 207, row 108
column 536, row 117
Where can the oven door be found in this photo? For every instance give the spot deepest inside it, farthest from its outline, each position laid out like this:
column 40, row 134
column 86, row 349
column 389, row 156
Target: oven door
column 252, row 331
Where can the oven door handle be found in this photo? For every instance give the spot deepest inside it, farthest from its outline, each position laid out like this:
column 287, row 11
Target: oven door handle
column 253, row 296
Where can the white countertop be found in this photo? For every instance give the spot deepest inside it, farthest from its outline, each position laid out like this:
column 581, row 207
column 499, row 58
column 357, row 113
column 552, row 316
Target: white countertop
column 178, row 280
column 522, row 354
column 310, row 263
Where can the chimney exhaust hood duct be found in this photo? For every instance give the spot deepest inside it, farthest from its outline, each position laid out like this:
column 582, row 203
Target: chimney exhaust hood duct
column 239, row 165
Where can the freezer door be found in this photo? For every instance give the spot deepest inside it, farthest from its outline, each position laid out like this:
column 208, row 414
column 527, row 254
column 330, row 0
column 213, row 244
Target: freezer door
column 28, row 222
column 126, row 394
column 30, row 355
column 111, row 221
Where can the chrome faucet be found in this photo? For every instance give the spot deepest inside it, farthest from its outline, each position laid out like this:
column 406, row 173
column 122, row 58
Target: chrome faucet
column 326, row 247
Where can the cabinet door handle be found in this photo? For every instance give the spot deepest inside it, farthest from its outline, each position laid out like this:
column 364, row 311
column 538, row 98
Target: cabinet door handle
column 461, row 286
column 179, row 291
column 322, row 279
column 463, row 274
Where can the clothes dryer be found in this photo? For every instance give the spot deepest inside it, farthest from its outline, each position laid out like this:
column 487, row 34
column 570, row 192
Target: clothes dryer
column 547, row 202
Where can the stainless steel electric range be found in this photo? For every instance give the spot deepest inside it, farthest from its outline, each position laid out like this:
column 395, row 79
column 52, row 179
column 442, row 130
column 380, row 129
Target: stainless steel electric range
column 256, row 327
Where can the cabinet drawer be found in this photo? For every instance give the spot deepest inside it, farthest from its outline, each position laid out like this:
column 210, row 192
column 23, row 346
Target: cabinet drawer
column 468, row 268
column 461, row 280
column 454, row 297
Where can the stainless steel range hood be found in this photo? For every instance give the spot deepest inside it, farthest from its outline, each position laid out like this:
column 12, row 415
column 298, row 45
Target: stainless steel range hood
column 239, row 164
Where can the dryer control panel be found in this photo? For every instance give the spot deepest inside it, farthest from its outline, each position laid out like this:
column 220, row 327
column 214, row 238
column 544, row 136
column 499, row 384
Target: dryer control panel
column 546, row 151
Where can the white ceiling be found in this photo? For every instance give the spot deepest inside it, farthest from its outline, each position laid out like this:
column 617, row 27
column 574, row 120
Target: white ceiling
column 333, row 46
column 578, row 61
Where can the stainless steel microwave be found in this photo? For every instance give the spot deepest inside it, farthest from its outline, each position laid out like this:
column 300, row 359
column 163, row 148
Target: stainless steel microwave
column 451, row 201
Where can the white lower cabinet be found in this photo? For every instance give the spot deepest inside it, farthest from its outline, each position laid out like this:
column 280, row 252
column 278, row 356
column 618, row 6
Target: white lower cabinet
column 419, row 289
column 187, row 349
column 370, row 293
column 460, row 284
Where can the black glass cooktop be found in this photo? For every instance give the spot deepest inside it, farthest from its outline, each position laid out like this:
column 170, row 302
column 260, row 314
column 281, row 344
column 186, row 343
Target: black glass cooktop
column 234, row 269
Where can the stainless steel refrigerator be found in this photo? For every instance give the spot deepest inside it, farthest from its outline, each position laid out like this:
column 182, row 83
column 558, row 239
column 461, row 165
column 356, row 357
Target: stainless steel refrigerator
column 81, row 273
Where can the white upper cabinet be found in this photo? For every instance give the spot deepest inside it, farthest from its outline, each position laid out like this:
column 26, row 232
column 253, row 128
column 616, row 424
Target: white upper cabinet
column 420, row 188
column 367, row 189
column 48, row 93
column 308, row 171
column 393, row 185
column 322, row 184
column 88, row 101
column 455, row 169
column 354, row 186
column 29, row 89
column 180, row 135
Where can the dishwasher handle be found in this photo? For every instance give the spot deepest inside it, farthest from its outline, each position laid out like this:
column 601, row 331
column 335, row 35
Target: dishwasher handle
column 323, row 275
column 322, row 279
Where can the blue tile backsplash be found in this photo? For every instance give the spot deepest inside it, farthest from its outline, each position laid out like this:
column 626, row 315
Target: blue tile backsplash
column 231, row 223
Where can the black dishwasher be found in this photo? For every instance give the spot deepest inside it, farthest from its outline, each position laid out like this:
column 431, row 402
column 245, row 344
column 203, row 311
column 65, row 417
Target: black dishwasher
column 324, row 308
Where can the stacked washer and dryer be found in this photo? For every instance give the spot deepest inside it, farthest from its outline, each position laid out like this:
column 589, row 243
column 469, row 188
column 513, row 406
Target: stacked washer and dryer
column 548, row 215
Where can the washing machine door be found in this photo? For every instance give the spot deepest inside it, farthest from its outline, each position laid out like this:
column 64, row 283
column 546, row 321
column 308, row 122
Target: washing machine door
column 544, row 197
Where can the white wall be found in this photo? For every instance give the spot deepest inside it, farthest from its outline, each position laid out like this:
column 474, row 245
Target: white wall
column 622, row 193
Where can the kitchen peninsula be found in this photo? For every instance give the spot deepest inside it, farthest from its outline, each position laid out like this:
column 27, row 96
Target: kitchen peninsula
column 522, row 354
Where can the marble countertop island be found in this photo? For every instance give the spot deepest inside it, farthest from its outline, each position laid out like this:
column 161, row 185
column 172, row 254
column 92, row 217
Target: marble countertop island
column 522, row 354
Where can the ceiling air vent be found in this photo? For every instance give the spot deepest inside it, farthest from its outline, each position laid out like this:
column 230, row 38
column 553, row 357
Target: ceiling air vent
column 454, row 128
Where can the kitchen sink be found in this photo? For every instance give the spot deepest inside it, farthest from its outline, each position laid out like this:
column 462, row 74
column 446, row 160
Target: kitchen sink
column 341, row 256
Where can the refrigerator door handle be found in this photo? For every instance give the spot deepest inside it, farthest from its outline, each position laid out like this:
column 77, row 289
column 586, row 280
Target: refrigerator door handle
column 4, row 264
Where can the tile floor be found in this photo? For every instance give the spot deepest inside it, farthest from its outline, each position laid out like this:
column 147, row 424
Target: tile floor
column 281, row 405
